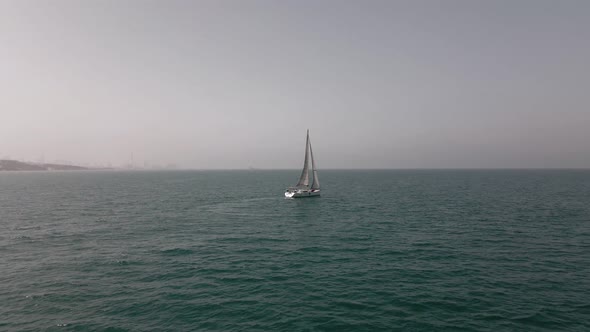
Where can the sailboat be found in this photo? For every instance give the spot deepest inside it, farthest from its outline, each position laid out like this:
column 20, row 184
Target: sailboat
column 303, row 189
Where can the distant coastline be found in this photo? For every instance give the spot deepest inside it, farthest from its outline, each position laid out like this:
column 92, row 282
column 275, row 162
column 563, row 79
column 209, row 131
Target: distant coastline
column 14, row 165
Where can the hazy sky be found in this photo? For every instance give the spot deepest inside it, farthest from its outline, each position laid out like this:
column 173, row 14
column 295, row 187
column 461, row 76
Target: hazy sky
column 233, row 84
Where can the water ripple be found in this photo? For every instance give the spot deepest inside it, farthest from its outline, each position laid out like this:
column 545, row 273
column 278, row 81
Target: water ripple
column 181, row 251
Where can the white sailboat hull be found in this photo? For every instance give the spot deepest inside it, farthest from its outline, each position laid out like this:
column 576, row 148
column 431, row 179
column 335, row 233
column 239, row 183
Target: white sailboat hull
column 302, row 193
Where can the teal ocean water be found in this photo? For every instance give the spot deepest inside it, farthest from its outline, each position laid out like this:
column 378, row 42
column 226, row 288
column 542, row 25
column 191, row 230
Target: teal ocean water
column 436, row 250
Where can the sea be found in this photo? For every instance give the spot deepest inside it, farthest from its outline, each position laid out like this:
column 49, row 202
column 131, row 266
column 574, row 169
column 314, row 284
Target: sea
column 380, row 250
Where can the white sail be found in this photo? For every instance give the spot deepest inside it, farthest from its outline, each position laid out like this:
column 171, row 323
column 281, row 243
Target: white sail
column 302, row 189
column 304, row 179
column 315, row 184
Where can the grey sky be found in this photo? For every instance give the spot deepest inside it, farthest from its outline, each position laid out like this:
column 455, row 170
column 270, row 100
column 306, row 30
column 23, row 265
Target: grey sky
column 232, row 84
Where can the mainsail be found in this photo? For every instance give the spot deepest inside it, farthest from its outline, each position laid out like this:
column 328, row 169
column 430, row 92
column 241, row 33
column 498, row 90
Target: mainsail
column 302, row 189
column 304, row 179
column 315, row 184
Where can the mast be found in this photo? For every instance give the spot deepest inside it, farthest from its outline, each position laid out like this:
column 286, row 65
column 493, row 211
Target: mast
column 315, row 184
column 304, row 178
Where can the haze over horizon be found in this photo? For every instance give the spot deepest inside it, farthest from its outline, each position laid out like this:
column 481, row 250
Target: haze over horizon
column 235, row 84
